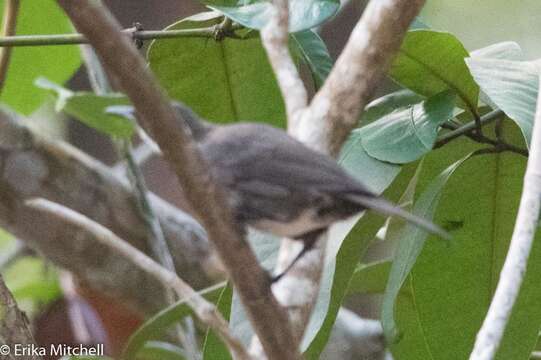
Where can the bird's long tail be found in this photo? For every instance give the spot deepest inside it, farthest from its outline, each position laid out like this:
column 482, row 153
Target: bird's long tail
column 386, row 208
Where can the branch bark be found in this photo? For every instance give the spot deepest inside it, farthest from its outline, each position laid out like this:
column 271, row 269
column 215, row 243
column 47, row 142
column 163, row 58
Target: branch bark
column 514, row 268
column 32, row 166
column 121, row 59
column 325, row 124
column 204, row 310
column 14, row 327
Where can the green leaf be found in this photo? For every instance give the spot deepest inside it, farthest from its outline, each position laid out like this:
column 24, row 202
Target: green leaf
column 339, row 270
column 303, row 14
column 57, row 63
column 387, row 104
column 222, row 81
column 90, row 109
column 410, row 245
column 159, row 350
column 406, row 135
column 315, row 54
column 213, row 348
column 430, row 62
column 154, row 327
column 451, row 285
column 370, row 278
column 512, row 86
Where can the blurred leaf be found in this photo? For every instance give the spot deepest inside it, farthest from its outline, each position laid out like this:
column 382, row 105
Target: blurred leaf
column 90, row 109
column 303, row 14
column 32, row 282
column 451, row 284
column 430, row 62
column 57, row 63
column 410, row 245
column 406, row 135
column 340, row 267
column 159, row 350
column 222, row 81
column 370, row 278
column 506, row 50
column 213, row 347
column 154, row 327
column 315, row 54
column 512, row 86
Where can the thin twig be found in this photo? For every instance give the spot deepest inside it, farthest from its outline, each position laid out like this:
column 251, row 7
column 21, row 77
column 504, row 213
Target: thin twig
column 204, row 310
column 11, row 9
column 469, row 130
column 75, row 39
column 120, row 58
column 275, row 40
column 514, row 268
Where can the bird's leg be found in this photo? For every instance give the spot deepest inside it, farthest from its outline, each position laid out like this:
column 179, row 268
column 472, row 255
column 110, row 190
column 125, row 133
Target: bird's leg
column 309, row 240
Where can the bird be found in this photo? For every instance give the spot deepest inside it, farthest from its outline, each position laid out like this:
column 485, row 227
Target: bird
column 276, row 184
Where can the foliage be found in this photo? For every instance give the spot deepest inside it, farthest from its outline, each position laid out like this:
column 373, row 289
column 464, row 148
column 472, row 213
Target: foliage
column 435, row 293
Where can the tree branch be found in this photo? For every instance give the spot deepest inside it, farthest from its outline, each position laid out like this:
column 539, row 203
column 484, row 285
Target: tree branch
column 11, row 9
column 33, row 166
column 275, row 40
column 122, row 60
column 326, row 123
column 204, row 310
column 514, row 268
column 14, row 327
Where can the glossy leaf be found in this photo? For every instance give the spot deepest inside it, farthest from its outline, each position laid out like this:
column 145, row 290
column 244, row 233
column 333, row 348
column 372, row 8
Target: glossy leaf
column 389, row 103
column 370, row 278
column 409, row 247
column 314, row 53
column 406, row 135
column 222, row 81
column 512, row 86
column 451, row 285
column 430, row 62
column 57, row 63
column 156, row 326
column 303, row 14
column 91, row 109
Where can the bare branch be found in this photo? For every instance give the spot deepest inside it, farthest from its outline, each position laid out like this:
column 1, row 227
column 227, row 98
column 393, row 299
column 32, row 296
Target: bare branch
column 204, row 310
column 14, row 327
column 33, row 166
column 11, row 9
column 514, row 268
column 325, row 125
column 275, row 40
column 122, row 60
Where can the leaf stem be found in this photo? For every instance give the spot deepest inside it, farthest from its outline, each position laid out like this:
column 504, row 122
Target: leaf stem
column 11, row 9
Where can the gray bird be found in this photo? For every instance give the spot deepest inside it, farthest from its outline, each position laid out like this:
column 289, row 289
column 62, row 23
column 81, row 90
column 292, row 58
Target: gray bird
column 278, row 185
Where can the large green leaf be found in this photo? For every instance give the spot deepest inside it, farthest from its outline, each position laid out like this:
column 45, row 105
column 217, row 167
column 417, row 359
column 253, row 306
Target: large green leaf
column 27, row 63
column 314, row 53
column 512, row 86
column 406, row 135
column 340, row 267
column 303, row 14
column 447, row 295
column 223, row 80
column 155, row 327
column 430, row 62
column 386, row 104
column 410, row 244
column 91, row 109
